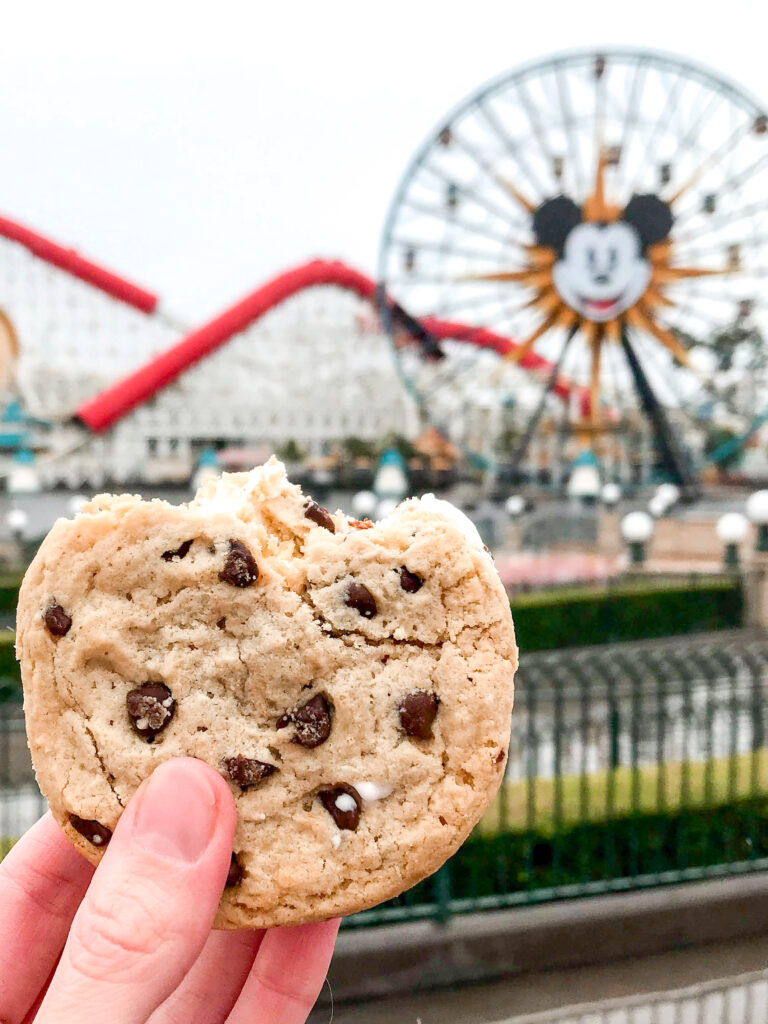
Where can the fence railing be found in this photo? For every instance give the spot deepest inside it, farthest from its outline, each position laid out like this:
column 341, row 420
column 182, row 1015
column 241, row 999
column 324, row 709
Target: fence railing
column 629, row 766
column 739, row 1000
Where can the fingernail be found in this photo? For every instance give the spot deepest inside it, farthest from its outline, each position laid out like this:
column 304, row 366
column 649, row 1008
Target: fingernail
column 177, row 811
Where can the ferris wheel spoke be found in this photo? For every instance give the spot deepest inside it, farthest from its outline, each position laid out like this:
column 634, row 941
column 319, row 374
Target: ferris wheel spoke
column 438, row 213
column 572, row 139
column 474, row 196
column 512, row 147
column 536, row 125
column 715, row 223
column 507, row 189
column 707, row 165
column 416, row 245
column 656, row 132
column 520, row 452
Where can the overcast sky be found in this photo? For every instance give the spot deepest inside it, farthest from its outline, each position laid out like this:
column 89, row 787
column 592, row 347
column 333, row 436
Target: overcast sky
column 199, row 148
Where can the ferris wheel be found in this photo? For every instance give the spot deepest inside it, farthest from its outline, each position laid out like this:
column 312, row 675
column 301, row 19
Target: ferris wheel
column 596, row 226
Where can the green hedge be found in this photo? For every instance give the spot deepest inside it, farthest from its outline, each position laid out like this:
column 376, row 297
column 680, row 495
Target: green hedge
column 9, row 594
column 636, row 610
column 594, row 852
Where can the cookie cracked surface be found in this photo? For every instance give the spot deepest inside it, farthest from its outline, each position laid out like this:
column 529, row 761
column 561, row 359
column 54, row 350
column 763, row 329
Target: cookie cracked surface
column 353, row 685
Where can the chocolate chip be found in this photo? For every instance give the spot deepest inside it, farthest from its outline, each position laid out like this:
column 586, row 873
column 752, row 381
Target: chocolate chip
column 150, row 709
column 320, row 515
column 417, row 713
column 362, row 600
column 180, row 552
column 93, row 831
column 347, row 815
column 57, row 621
column 499, row 757
column 409, row 581
column 240, row 568
column 247, row 772
column 312, row 721
column 235, row 873
column 222, row 623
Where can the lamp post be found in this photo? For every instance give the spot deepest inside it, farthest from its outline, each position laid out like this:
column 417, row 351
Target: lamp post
column 611, row 494
column 637, row 529
column 514, row 506
column 731, row 530
column 757, row 513
column 364, row 504
column 669, row 494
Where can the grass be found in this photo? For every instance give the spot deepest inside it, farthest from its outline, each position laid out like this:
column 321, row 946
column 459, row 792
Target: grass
column 5, row 845
column 671, row 787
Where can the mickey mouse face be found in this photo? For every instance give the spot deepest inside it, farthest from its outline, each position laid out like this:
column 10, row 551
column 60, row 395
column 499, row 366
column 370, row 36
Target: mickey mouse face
column 602, row 272
column 602, row 269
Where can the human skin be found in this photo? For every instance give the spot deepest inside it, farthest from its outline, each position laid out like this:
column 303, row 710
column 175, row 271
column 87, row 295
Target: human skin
column 131, row 941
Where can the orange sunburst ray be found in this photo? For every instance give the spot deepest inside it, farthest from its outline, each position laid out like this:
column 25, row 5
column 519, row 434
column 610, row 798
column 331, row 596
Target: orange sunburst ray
column 668, row 275
column 516, row 194
column 562, row 316
column 613, row 330
column 596, row 208
column 534, row 278
column 539, row 256
column 639, row 317
column 653, row 297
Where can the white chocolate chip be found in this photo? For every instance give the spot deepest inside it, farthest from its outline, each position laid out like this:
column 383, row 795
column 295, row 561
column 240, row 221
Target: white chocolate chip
column 336, row 841
column 141, row 723
column 96, row 840
column 370, row 791
column 344, row 802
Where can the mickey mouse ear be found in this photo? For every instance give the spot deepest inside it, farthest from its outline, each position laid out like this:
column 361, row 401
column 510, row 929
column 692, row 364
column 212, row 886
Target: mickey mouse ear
column 651, row 218
column 554, row 220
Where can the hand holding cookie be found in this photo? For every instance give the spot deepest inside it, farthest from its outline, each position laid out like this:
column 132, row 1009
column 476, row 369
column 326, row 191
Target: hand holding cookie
column 132, row 941
column 350, row 683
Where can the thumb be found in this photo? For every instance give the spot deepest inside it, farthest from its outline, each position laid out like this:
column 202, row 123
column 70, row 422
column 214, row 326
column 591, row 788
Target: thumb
column 149, row 908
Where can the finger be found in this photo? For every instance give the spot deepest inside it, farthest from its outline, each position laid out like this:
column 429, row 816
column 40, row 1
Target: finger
column 287, row 976
column 150, row 906
column 42, row 881
column 211, row 988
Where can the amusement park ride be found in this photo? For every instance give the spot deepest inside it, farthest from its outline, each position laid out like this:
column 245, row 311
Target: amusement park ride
column 609, row 212
column 572, row 267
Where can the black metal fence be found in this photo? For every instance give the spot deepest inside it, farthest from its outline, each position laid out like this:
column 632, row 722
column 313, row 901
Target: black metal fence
column 630, row 766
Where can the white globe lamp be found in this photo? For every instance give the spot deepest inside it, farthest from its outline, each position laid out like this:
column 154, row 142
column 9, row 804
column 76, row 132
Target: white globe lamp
column 514, row 505
column 16, row 521
column 75, row 504
column 757, row 513
column 611, row 494
column 658, row 506
column 637, row 530
column 731, row 529
column 668, row 493
column 386, row 507
column 364, row 504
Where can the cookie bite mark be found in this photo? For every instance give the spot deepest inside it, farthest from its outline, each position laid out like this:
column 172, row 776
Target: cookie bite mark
column 93, row 831
column 150, row 708
column 409, row 581
column 240, row 569
column 247, row 772
column 180, row 552
column 344, row 805
column 235, row 873
column 57, row 621
column 312, row 722
column 361, row 599
column 418, row 711
column 320, row 515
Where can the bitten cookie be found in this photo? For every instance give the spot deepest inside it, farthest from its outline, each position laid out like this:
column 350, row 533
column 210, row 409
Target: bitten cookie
column 352, row 681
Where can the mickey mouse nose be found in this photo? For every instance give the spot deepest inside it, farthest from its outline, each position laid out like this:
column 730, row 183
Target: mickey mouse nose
column 601, row 279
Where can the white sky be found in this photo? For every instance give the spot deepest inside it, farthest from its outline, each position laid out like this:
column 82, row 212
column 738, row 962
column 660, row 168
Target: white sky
column 199, row 148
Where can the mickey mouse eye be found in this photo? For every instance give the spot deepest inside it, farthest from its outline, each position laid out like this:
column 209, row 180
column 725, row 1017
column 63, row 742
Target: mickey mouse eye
column 613, row 258
column 591, row 258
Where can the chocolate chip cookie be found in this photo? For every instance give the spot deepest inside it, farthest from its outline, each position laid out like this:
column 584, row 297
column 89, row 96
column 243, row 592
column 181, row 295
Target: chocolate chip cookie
column 352, row 681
